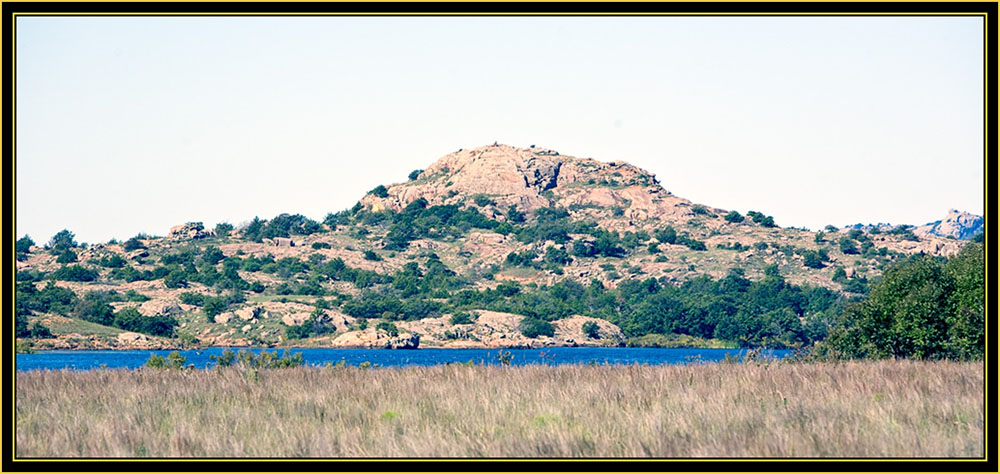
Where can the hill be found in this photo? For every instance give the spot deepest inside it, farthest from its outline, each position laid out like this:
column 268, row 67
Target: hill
column 496, row 246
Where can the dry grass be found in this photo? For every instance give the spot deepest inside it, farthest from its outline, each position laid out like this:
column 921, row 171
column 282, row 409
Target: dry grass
column 870, row 409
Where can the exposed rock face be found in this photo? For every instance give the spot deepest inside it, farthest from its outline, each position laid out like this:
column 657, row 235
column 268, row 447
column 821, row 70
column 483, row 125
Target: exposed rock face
column 519, row 177
column 958, row 224
column 283, row 242
column 159, row 307
column 493, row 329
column 374, row 339
column 191, row 230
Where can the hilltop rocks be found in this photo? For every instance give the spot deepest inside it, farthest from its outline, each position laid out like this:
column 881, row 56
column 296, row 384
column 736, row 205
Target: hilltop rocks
column 191, row 230
column 957, row 224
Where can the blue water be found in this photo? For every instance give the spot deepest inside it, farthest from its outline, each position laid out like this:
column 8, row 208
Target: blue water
column 85, row 360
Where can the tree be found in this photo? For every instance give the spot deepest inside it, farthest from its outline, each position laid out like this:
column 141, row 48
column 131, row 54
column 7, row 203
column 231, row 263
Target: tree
column 94, row 307
column 734, row 217
column 380, row 191
column 63, row 240
column 591, row 330
column 533, row 327
column 223, row 229
column 67, row 256
column 847, row 246
column 24, row 244
column 133, row 244
column 414, row 174
column 911, row 313
column 812, row 259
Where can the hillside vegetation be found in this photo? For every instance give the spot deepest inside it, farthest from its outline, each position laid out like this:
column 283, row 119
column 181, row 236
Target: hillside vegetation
column 504, row 247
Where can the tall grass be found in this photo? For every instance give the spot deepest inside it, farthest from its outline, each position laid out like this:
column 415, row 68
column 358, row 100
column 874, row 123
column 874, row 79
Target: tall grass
column 856, row 409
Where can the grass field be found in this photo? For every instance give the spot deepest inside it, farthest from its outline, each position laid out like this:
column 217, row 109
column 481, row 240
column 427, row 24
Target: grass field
column 856, row 409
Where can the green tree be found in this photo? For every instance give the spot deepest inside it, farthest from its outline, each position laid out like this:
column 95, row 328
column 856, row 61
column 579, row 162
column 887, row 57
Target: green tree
column 414, row 174
column 906, row 315
column 223, row 229
column 24, row 244
column 380, row 191
column 63, row 240
column 592, row 330
column 734, row 217
column 533, row 327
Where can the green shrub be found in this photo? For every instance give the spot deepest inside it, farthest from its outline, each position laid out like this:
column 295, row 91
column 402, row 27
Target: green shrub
column 223, row 229
column 380, row 191
column 461, row 317
column 62, row 240
column 67, row 256
column 734, row 217
column 320, row 245
column 133, row 244
column 173, row 361
column 847, row 246
column 592, row 330
column 414, row 174
column 39, row 331
column 388, row 327
column 533, row 327
column 371, row 255
column 113, row 261
column 24, row 244
column 482, row 200
column 74, row 273
column 812, row 259
column 130, row 319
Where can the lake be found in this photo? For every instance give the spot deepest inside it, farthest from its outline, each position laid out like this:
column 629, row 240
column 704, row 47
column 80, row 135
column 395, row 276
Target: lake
column 86, row 360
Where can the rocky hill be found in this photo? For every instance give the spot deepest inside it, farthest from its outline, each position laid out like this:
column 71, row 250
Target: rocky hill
column 959, row 225
column 486, row 247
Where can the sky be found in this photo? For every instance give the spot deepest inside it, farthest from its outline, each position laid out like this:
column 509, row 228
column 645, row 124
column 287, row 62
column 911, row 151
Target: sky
column 128, row 125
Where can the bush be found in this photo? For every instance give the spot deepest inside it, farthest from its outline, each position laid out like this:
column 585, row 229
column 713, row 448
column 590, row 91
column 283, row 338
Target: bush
column 212, row 255
column 847, row 246
column 62, row 240
column 195, row 299
column 24, row 244
column 380, row 191
column 176, row 279
column 371, row 255
column 130, row 319
column 414, row 174
column 223, row 229
column 813, row 259
column 174, row 360
column 133, row 244
column 94, row 307
column 592, row 330
column 482, row 200
column 39, row 331
column 388, row 327
column 114, row 261
column 734, row 217
column 533, row 327
column 667, row 235
column 320, row 245
column 67, row 256
column 461, row 317
column 74, row 273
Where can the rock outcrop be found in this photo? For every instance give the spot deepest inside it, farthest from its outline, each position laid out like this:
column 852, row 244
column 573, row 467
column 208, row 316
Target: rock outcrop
column 372, row 338
column 958, row 224
column 191, row 230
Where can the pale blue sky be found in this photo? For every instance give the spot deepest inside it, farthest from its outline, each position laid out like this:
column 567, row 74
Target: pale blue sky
column 128, row 125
